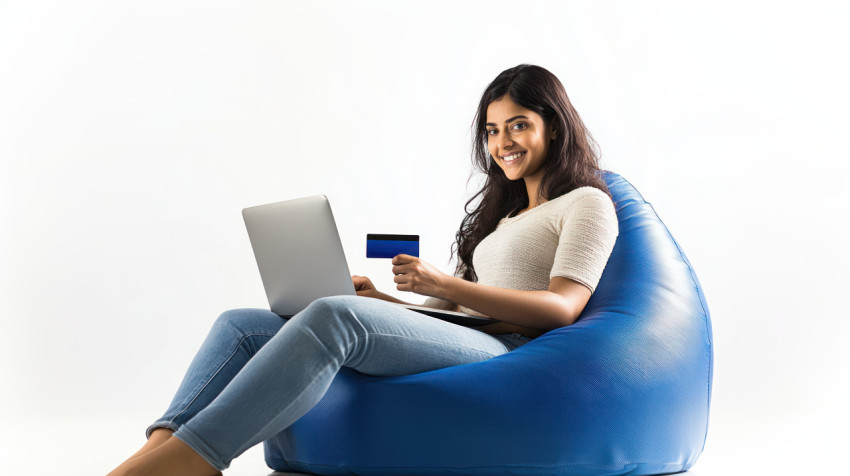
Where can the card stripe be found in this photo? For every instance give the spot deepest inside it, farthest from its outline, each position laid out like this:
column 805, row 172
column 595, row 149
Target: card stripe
column 379, row 237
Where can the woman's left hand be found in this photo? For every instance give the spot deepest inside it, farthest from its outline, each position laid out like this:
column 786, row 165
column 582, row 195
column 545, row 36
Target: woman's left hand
column 413, row 274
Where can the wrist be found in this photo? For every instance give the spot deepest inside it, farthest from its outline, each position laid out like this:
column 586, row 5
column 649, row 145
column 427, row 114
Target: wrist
column 450, row 289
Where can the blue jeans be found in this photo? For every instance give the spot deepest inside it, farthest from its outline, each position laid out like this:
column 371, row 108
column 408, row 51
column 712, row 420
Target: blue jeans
column 257, row 373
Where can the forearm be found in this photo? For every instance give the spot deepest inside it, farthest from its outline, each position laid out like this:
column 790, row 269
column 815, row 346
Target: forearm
column 536, row 309
column 387, row 297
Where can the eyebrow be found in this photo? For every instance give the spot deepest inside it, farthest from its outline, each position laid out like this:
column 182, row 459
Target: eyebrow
column 508, row 121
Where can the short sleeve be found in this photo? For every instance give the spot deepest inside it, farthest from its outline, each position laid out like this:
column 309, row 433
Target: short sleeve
column 588, row 230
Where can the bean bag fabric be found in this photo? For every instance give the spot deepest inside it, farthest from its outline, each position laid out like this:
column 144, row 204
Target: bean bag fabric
column 624, row 390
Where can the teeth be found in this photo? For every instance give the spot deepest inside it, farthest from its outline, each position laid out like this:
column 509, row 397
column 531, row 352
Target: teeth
column 510, row 158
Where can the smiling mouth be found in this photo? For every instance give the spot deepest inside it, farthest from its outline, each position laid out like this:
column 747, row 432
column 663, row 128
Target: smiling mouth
column 510, row 159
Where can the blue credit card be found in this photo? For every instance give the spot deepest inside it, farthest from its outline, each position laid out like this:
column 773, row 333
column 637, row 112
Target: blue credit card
column 387, row 246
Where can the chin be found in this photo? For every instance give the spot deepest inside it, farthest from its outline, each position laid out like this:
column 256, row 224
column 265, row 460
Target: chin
column 511, row 176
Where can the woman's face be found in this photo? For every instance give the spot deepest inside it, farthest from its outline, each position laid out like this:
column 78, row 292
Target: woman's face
column 518, row 139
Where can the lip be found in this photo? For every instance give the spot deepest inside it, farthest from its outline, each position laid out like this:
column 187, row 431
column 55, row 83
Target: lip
column 512, row 153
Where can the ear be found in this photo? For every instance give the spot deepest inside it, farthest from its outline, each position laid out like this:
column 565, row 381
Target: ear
column 554, row 134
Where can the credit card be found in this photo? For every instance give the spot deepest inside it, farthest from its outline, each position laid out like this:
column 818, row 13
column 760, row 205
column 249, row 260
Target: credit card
column 387, row 246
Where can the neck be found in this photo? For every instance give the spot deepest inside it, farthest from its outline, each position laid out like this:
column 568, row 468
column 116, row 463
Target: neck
column 532, row 188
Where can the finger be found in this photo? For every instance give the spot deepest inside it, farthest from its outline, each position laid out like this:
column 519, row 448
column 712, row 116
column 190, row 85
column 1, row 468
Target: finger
column 403, row 258
column 402, row 269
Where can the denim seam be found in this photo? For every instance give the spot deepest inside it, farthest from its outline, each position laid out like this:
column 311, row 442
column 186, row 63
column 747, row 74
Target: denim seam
column 432, row 342
column 366, row 334
column 213, row 376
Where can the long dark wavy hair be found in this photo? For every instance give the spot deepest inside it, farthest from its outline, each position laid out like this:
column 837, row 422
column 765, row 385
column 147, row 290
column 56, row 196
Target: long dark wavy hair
column 572, row 160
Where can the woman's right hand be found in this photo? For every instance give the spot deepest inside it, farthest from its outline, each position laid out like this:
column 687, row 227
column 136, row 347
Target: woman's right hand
column 364, row 287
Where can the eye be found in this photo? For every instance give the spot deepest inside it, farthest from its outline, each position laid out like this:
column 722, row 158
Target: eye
column 490, row 131
column 524, row 125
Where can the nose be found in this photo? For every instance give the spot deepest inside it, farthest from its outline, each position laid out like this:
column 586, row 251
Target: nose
column 505, row 142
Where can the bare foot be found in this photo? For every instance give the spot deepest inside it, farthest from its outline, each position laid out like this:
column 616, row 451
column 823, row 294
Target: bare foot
column 158, row 437
column 171, row 458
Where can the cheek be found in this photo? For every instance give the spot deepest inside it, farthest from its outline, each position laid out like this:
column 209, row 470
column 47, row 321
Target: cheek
column 543, row 147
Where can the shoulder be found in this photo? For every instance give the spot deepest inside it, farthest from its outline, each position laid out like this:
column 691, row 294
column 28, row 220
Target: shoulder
column 587, row 204
column 585, row 198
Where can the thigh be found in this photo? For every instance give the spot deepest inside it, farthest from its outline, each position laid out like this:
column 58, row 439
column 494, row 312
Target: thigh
column 392, row 340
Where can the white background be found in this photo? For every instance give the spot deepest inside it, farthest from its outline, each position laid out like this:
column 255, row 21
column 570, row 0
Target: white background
column 133, row 133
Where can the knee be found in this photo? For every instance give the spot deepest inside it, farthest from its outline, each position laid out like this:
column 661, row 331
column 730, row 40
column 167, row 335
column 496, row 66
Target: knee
column 243, row 320
column 330, row 312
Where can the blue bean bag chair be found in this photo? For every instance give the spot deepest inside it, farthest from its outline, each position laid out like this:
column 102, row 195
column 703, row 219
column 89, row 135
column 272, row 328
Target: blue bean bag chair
column 624, row 390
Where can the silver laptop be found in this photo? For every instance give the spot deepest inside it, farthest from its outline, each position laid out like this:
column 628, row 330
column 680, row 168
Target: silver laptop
column 300, row 256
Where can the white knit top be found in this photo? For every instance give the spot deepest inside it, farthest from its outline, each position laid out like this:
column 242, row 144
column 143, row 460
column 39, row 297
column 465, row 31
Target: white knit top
column 570, row 236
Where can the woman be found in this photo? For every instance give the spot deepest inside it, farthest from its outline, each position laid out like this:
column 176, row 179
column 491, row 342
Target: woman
column 530, row 255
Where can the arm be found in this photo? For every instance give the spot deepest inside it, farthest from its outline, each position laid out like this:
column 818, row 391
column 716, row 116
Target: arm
column 587, row 231
column 387, row 297
column 558, row 306
column 363, row 287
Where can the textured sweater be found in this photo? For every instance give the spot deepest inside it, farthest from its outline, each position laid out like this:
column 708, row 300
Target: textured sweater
column 570, row 236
